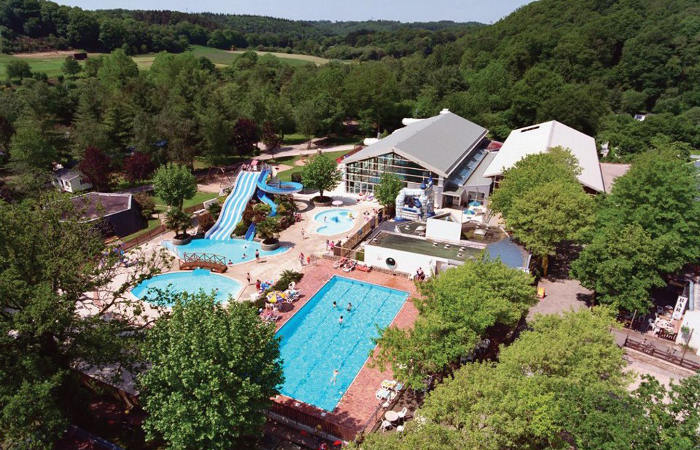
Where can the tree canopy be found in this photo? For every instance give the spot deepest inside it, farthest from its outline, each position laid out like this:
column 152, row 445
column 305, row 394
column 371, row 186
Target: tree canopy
column 51, row 273
column 227, row 365
column 321, row 173
column 456, row 310
column 388, row 188
column 174, row 184
column 559, row 385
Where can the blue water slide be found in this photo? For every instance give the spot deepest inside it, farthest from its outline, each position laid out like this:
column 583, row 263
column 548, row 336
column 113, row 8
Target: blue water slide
column 233, row 208
column 278, row 187
column 268, row 201
column 250, row 234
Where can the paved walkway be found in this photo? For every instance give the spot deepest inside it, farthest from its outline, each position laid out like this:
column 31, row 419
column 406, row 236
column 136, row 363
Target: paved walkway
column 300, row 149
column 560, row 296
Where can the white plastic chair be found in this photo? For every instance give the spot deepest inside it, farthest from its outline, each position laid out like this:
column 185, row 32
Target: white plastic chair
column 402, row 413
column 386, row 425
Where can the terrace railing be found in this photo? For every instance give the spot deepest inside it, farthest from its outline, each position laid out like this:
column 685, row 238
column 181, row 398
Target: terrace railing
column 210, row 261
column 664, row 354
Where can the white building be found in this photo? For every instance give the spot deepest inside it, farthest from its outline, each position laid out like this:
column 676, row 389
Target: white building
column 539, row 139
column 70, row 180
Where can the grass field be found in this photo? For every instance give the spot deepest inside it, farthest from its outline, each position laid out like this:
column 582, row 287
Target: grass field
column 50, row 63
column 199, row 197
column 291, row 160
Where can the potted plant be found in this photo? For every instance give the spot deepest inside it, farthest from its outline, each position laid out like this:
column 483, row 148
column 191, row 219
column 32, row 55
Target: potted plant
column 267, row 230
column 178, row 221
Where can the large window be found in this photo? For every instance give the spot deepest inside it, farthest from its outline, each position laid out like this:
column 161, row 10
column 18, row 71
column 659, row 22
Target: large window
column 362, row 176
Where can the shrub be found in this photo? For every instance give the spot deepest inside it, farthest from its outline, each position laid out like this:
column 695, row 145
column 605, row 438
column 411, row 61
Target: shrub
column 146, row 204
column 287, row 277
column 241, row 228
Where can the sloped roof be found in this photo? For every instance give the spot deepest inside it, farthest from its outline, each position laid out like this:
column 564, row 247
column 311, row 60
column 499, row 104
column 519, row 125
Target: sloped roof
column 540, row 138
column 438, row 143
column 94, row 205
column 610, row 172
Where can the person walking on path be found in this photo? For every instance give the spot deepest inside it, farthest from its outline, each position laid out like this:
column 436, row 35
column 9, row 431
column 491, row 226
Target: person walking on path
column 257, row 255
column 247, row 277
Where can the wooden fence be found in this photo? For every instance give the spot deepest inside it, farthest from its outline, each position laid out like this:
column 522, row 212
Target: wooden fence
column 664, row 354
column 147, row 236
column 347, row 246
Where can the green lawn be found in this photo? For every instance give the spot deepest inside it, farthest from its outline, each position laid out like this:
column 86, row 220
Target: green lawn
column 294, row 138
column 50, row 64
column 152, row 223
column 199, row 197
column 291, row 160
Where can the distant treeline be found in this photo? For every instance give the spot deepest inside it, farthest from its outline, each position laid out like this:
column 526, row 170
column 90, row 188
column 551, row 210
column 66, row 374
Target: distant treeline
column 30, row 25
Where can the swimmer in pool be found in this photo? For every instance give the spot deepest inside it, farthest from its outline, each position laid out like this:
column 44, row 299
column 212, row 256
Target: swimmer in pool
column 335, row 376
column 340, row 321
column 335, row 305
column 349, row 308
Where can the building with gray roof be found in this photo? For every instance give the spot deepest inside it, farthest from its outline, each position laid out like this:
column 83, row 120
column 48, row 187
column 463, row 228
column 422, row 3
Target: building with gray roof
column 445, row 148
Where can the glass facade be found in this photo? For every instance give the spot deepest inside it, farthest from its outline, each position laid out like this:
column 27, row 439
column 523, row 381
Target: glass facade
column 362, row 176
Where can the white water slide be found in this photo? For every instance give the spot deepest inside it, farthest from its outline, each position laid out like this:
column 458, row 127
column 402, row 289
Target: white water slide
column 232, row 211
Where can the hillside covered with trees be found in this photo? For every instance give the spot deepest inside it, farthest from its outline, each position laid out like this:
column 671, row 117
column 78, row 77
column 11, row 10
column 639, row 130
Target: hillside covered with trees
column 589, row 64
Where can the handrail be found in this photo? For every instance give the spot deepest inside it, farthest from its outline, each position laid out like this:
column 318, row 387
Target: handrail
column 203, row 257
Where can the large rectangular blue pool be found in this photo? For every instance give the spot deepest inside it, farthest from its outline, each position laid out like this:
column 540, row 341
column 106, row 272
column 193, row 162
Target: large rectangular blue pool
column 314, row 344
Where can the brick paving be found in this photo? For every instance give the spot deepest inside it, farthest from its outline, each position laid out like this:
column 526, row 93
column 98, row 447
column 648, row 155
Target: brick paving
column 359, row 402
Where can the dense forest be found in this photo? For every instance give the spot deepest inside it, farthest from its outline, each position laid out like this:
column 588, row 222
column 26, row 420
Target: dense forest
column 591, row 64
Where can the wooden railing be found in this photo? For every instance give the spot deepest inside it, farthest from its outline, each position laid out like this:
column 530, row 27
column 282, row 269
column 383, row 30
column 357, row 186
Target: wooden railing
column 664, row 354
column 215, row 263
column 147, row 236
column 348, row 245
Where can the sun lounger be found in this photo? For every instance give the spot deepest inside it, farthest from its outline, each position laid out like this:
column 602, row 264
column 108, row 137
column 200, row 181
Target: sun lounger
column 340, row 263
column 383, row 394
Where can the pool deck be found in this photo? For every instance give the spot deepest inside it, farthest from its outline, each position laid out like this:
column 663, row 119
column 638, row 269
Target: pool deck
column 358, row 403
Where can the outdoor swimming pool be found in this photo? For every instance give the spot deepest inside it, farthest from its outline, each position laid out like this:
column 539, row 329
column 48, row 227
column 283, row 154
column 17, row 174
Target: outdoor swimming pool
column 314, row 343
column 235, row 250
column 190, row 282
column 334, row 221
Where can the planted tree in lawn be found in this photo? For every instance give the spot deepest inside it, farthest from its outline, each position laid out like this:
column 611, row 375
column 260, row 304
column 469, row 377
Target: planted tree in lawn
column 18, row 69
column 137, row 167
column 227, row 365
column 321, row 173
column 97, row 168
column 388, row 188
column 174, row 183
column 60, row 308
column 456, row 310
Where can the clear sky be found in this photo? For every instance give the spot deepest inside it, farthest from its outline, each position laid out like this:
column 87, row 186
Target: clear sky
column 485, row 11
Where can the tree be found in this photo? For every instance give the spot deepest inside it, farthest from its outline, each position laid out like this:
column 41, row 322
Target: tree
column 492, row 293
column 178, row 221
column 620, row 265
column 18, row 69
column 70, row 67
column 270, row 137
column 245, row 136
column 532, row 171
column 659, row 193
column 97, row 168
column 117, row 69
column 138, row 167
column 548, row 215
column 228, row 368
column 174, row 183
column 321, row 173
column 46, row 269
column 388, row 188
column 267, row 229
column 306, row 118
column 31, row 149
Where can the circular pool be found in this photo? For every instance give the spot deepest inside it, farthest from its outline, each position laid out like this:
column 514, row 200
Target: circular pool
column 190, row 282
column 334, row 221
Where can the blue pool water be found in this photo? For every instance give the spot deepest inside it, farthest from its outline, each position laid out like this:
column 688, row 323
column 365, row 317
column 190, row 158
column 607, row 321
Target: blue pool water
column 334, row 221
column 313, row 343
column 190, row 282
column 231, row 249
